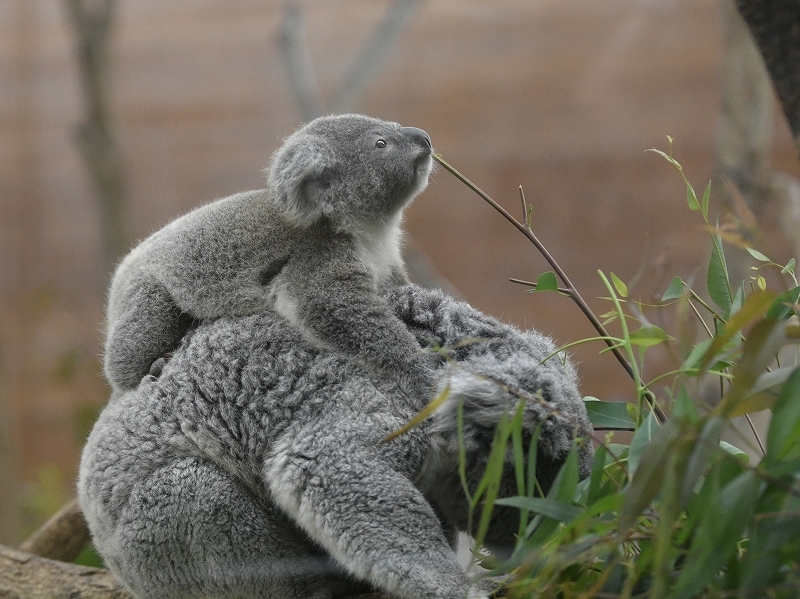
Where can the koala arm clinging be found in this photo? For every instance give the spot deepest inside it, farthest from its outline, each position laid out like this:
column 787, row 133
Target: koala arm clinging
column 338, row 303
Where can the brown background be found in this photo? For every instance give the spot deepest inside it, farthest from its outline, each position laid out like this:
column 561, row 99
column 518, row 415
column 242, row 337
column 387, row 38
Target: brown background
column 560, row 96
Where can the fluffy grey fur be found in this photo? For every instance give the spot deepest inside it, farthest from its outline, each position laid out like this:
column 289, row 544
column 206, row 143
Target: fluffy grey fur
column 253, row 466
column 316, row 245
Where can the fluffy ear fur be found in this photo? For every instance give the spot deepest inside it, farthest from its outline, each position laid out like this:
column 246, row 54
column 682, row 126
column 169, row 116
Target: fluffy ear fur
column 298, row 177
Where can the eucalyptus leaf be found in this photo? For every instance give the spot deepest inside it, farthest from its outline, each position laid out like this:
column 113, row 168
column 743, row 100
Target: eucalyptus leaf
column 622, row 288
column 691, row 197
column 641, row 439
column 706, row 444
column 648, row 336
column 608, row 414
column 706, row 198
column 675, row 290
column 718, row 534
column 783, row 305
column 719, row 287
column 758, row 255
column 784, row 431
column 649, row 477
column 547, row 281
column 550, row 508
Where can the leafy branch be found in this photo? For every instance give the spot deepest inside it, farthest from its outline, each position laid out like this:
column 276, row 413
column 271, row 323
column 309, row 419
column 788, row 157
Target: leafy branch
column 546, row 282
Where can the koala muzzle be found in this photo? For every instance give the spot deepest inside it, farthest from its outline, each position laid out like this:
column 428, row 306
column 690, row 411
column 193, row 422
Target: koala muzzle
column 418, row 135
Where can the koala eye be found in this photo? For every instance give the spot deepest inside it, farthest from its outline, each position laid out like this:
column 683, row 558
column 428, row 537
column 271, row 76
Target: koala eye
column 381, row 143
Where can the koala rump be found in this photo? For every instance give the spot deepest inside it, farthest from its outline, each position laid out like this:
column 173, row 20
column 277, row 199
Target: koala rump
column 254, row 465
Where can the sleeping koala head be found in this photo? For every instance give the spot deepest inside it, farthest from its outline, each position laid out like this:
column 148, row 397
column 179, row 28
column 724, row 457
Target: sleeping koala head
column 354, row 170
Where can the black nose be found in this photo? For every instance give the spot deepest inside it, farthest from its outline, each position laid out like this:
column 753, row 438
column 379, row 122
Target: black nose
column 418, row 134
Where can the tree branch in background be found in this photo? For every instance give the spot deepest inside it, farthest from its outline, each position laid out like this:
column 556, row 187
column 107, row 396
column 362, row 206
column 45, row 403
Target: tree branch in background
column 775, row 25
column 744, row 135
column 62, row 537
column 299, row 66
column 26, row 576
column 373, row 56
column 92, row 23
column 370, row 60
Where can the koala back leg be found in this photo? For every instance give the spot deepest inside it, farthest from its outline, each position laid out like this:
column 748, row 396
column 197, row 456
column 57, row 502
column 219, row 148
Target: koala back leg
column 149, row 325
column 192, row 530
column 350, row 494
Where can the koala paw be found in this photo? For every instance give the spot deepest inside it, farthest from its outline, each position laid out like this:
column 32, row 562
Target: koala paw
column 157, row 366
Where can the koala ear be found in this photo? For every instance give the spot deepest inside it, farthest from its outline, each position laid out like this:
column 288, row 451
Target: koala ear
column 300, row 173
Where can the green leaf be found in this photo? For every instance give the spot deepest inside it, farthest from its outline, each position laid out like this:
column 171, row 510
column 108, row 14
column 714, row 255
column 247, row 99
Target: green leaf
column 784, row 431
column 562, row 490
column 550, row 508
column 789, row 267
column 648, row 336
column 691, row 197
column 758, row 255
column 782, row 307
column 706, row 198
column 738, row 299
column 695, row 356
column 755, row 304
column 706, row 444
column 641, row 440
column 675, row 290
column 771, row 540
column 608, row 414
column 621, row 287
column 683, row 406
column 547, row 281
column 734, row 451
column 648, row 480
column 763, row 342
column 597, row 476
column 429, row 409
column 719, row 287
column 718, row 534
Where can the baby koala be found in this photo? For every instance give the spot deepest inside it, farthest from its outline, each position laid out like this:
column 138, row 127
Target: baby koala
column 318, row 246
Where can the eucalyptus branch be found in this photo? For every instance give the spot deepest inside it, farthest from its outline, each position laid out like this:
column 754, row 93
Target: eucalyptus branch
column 562, row 290
column 570, row 288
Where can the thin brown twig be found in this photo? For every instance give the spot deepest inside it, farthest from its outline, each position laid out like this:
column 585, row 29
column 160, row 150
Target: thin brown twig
column 570, row 288
column 754, row 430
column 563, row 290
column 573, row 292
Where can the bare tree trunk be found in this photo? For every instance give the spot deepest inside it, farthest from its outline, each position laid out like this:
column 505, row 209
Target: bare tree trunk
column 744, row 132
column 25, row 576
column 374, row 55
column 62, row 537
column 745, row 125
column 92, row 23
column 364, row 68
column 775, row 25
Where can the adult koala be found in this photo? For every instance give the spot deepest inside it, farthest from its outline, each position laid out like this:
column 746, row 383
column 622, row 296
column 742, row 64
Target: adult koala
column 316, row 245
column 254, row 467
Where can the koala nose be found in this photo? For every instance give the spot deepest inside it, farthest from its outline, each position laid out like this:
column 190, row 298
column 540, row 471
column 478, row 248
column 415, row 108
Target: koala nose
column 419, row 135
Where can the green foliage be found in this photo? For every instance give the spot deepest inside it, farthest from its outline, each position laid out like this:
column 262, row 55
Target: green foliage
column 676, row 512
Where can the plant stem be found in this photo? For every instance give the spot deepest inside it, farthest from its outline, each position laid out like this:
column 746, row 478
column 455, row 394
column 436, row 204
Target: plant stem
column 570, row 288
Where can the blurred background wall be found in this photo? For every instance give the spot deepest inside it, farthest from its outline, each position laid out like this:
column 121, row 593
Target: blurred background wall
column 559, row 96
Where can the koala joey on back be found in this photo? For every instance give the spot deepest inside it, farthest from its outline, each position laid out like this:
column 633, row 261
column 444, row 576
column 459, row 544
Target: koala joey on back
column 254, row 467
column 317, row 246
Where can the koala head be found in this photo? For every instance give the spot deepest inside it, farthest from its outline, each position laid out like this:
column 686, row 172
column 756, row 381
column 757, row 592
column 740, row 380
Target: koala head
column 354, row 170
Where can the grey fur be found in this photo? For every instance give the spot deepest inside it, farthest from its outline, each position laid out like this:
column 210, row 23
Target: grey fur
column 316, row 245
column 253, row 467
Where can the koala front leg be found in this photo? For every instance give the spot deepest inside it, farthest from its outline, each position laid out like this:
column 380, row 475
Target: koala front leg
column 149, row 325
column 337, row 302
column 351, row 496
